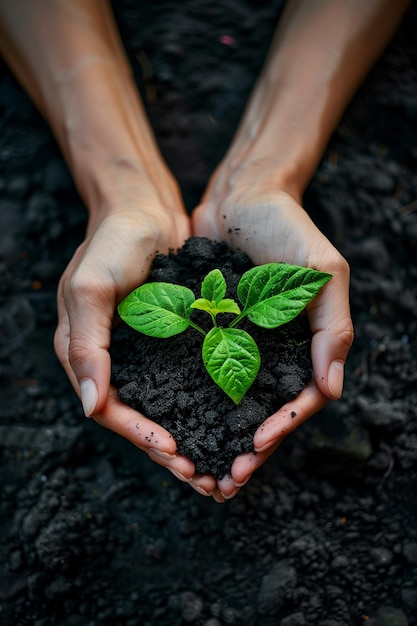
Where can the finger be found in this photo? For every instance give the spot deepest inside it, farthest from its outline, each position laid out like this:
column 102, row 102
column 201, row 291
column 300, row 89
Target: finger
column 135, row 427
column 181, row 467
column 204, row 222
column 289, row 417
column 61, row 343
column 205, row 485
column 217, row 496
column 89, row 309
column 146, row 435
column 274, row 430
column 227, row 487
column 226, row 484
column 246, row 464
column 331, row 324
column 88, row 366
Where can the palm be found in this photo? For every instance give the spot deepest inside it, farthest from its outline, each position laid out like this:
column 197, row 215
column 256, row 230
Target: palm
column 271, row 226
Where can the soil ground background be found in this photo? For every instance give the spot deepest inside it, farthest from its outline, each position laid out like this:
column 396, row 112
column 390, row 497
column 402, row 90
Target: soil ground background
column 91, row 532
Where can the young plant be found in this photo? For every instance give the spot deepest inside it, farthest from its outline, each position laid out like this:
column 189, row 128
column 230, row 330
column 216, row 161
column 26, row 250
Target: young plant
column 270, row 295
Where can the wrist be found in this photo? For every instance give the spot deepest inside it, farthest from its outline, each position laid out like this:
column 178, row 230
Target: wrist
column 108, row 143
column 125, row 187
column 281, row 132
column 310, row 75
column 254, row 174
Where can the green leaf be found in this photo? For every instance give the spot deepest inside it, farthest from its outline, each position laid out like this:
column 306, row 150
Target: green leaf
column 227, row 306
column 158, row 309
column 213, row 287
column 232, row 359
column 202, row 304
column 274, row 293
column 224, row 306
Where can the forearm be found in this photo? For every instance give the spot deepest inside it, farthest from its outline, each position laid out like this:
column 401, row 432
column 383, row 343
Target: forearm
column 320, row 54
column 68, row 56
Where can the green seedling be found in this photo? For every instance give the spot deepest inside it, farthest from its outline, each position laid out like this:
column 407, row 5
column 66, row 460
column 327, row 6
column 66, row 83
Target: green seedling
column 270, row 295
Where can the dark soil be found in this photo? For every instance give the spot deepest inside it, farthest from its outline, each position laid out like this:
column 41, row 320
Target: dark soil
column 166, row 379
column 91, row 531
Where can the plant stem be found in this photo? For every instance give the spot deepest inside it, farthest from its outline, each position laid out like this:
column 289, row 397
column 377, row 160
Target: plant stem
column 196, row 327
column 238, row 318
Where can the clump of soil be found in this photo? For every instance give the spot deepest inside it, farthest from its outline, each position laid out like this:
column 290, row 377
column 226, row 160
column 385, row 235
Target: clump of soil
column 166, row 379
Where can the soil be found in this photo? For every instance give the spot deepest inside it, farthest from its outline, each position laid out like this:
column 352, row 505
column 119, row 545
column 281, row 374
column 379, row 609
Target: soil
column 91, row 531
column 167, row 381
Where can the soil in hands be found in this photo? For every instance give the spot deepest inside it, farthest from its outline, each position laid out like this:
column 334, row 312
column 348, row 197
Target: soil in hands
column 165, row 379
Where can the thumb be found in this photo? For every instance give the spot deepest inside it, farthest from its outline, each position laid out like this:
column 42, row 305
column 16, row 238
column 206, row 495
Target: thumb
column 331, row 324
column 82, row 341
column 204, row 223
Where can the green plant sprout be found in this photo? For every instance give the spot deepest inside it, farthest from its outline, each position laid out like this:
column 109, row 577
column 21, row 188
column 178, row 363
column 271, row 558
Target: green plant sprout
column 271, row 295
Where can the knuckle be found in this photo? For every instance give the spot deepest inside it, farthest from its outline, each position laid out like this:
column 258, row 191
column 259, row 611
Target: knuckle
column 338, row 265
column 88, row 288
column 78, row 351
column 345, row 333
column 344, row 267
column 82, row 285
column 59, row 344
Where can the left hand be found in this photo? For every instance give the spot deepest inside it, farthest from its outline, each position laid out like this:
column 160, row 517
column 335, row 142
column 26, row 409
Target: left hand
column 255, row 212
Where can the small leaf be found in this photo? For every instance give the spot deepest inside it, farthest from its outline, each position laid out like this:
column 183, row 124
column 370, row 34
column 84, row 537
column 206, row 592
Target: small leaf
column 223, row 306
column 232, row 359
column 214, row 286
column 203, row 305
column 227, row 306
column 275, row 293
column 158, row 309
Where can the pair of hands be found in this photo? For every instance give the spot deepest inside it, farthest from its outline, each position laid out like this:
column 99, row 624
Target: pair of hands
column 69, row 57
column 80, row 79
column 116, row 256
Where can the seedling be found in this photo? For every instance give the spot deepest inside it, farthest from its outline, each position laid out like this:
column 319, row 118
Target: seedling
column 270, row 295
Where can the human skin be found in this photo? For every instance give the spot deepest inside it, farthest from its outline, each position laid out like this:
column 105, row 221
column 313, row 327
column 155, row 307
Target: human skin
column 68, row 56
column 320, row 54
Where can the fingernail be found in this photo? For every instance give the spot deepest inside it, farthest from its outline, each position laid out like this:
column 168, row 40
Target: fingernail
column 162, row 455
column 89, row 396
column 335, row 379
column 264, row 446
column 245, row 480
column 178, row 475
column 231, row 495
column 199, row 489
